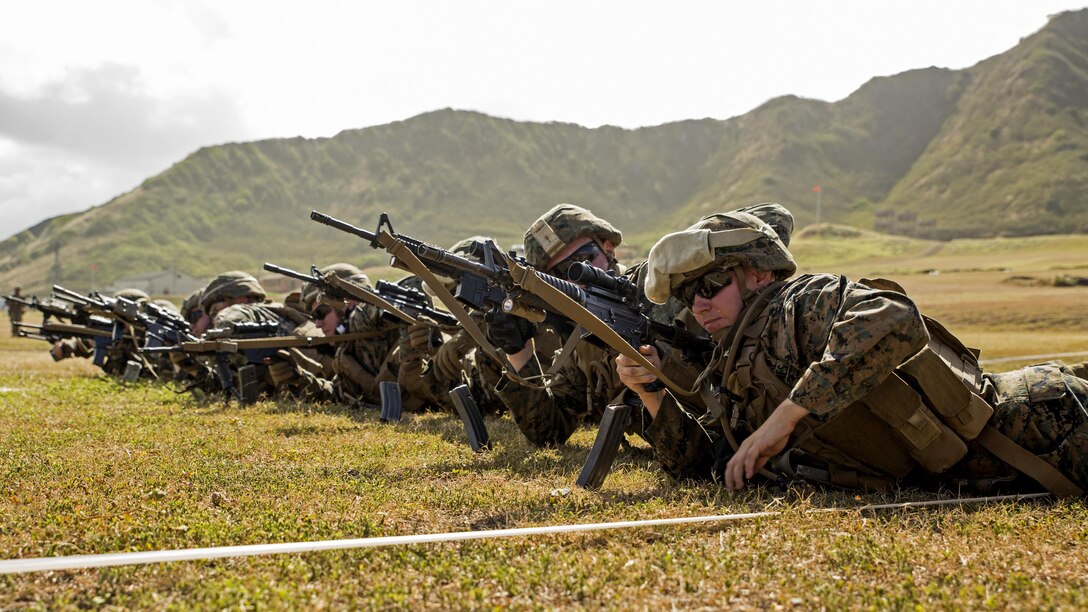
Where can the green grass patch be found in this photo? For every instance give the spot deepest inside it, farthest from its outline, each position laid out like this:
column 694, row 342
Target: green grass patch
column 90, row 465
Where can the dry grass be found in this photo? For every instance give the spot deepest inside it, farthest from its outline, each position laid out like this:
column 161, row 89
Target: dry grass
column 88, row 465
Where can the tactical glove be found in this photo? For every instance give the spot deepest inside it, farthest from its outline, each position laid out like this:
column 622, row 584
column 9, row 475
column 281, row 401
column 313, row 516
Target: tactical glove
column 508, row 332
column 313, row 388
column 281, row 370
column 448, row 359
column 419, row 336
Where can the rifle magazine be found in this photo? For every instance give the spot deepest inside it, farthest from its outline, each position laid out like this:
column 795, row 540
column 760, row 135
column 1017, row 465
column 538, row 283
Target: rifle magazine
column 475, row 428
column 605, row 446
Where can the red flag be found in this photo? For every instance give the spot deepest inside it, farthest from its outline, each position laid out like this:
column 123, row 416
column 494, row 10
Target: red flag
column 94, row 267
column 815, row 189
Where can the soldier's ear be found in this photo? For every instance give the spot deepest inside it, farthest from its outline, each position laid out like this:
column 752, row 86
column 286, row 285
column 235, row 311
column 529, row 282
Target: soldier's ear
column 762, row 278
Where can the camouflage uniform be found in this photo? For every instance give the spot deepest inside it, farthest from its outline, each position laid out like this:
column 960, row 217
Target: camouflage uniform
column 586, row 383
column 827, row 344
column 311, row 298
column 361, row 364
column 187, row 370
column 422, row 385
column 460, row 361
column 358, row 366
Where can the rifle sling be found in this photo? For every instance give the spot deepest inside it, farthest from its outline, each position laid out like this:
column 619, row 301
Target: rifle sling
column 1015, row 455
column 567, row 351
column 527, row 278
column 397, row 248
column 370, row 297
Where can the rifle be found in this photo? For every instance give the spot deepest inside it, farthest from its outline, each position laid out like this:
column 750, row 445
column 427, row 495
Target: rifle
column 158, row 326
column 162, row 326
column 413, row 301
column 401, row 303
column 257, row 342
column 489, row 284
column 606, row 307
column 53, row 332
column 223, row 343
column 58, row 309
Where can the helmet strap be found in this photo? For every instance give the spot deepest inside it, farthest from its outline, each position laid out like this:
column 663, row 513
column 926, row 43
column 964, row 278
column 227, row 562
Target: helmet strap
column 745, row 292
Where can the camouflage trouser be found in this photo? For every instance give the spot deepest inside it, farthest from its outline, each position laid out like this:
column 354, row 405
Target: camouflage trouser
column 1043, row 408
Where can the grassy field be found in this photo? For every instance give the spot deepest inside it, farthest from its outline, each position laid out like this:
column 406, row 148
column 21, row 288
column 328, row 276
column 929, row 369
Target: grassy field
column 90, row 465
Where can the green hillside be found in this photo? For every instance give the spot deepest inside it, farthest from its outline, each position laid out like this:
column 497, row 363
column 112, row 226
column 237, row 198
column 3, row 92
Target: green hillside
column 997, row 149
column 1013, row 157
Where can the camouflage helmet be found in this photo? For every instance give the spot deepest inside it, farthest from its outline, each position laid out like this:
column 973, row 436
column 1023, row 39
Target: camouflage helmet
column 722, row 240
column 134, row 295
column 561, row 225
column 311, row 294
column 231, row 284
column 464, row 247
column 191, row 303
column 774, row 215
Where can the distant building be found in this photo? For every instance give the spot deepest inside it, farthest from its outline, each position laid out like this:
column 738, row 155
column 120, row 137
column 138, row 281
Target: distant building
column 165, row 282
column 884, row 221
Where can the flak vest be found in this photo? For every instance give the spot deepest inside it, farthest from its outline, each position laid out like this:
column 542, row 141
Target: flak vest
column 920, row 417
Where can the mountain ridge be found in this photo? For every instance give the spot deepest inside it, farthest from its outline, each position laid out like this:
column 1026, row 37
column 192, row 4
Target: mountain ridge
column 1000, row 148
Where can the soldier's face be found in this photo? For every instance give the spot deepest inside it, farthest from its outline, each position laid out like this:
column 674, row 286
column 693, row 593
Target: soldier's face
column 720, row 311
column 202, row 324
column 585, row 250
column 327, row 319
column 723, row 309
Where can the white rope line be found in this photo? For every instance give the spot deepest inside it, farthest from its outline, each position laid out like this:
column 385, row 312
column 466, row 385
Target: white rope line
column 1031, row 357
column 43, row 564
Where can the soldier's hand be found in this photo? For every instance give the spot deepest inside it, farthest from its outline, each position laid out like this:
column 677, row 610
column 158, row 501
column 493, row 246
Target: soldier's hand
column 419, row 336
column 281, row 370
column 313, row 388
column 508, row 332
column 766, row 441
column 57, row 351
column 635, row 377
column 448, row 358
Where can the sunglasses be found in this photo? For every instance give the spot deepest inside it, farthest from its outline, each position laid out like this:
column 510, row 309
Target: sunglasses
column 706, row 286
column 585, row 254
column 321, row 312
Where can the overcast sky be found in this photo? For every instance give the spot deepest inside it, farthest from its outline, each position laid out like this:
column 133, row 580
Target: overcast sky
column 97, row 96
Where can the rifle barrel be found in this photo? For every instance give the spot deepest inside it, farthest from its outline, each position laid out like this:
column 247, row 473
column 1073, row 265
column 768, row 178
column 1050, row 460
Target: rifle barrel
column 289, row 273
column 342, row 226
column 74, row 296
